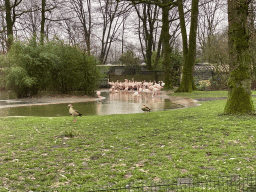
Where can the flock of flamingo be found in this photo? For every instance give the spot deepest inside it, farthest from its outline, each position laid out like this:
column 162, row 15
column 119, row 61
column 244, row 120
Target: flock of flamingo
column 127, row 85
column 137, row 86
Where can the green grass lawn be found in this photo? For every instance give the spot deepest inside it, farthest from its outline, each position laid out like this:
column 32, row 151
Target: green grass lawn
column 205, row 94
column 202, row 94
column 42, row 153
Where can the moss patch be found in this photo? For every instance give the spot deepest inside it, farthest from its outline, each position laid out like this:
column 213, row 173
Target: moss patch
column 239, row 102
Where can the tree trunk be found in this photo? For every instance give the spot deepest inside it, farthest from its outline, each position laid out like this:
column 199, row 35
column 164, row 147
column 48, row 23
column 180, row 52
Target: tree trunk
column 189, row 54
column 9, row 23
column 239, row 98
column 158, row 53
column 166, row 48
column 42, row 22
column 149, row 51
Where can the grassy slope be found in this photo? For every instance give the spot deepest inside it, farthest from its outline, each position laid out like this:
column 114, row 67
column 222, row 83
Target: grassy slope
column 35, row 155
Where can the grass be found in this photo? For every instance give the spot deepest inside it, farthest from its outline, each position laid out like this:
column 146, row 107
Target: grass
column 42, row 154
column 205, row 94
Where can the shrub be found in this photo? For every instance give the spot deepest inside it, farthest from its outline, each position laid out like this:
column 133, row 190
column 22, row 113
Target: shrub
column 219, row 82
column 204, row 85
column 53, row 66
column 19, row 81
column 72, row 69
column 29, row 57
column 2, row 79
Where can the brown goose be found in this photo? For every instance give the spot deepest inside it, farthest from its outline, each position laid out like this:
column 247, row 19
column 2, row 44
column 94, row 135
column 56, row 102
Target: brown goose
column 145, row 108
column 74, row 112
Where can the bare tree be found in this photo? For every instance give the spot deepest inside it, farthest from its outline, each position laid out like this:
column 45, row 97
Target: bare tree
column 111, row 20
column 209, row 18
column 29, row 23
column 166, row 6
column 83, row 10
column 47, row 9
column 148, row 14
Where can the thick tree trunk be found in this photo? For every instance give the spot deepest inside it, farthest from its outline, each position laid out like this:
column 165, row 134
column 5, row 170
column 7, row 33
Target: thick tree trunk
column 166, row 48
column 239, row 99
column 189, row 54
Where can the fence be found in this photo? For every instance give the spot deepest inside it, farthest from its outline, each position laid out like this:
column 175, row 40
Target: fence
column 233, row 183
column 138, row 76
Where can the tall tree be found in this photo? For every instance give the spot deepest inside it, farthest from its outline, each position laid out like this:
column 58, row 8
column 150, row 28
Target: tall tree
column 165, row 37
column 209, row 21
column 189, row 50
column 239, row 98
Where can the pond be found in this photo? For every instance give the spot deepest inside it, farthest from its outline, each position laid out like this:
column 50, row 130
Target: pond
column 112, row 103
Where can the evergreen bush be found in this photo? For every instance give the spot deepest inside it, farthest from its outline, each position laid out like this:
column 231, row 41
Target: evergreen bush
column 19, row 81
column 54, row 66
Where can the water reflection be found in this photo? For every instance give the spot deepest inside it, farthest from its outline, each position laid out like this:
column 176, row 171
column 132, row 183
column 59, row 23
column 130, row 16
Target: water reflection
column 114, row 103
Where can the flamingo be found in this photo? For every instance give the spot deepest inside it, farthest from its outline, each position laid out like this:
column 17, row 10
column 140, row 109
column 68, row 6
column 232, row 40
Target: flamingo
column 154, row 91
column 135, row 94
column 144, row 86
column 98, row 94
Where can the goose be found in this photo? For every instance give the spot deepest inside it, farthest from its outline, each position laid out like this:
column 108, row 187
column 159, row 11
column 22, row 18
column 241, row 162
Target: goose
column 145, row 108
column 74, row 112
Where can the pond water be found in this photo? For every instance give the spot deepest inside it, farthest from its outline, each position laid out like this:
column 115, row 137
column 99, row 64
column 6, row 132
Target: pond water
column 113, row 103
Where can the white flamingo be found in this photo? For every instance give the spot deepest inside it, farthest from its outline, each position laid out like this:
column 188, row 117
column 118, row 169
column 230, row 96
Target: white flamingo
column 135, row 94
column 98, row 94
